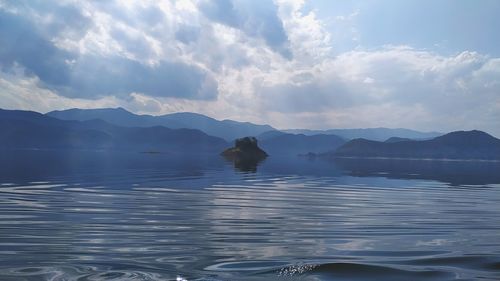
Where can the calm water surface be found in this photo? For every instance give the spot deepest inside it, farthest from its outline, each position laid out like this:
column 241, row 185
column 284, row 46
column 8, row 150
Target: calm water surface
column 101, row 216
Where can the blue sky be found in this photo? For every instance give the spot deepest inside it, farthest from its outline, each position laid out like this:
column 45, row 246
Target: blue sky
column 445, row 26
column 426, row 65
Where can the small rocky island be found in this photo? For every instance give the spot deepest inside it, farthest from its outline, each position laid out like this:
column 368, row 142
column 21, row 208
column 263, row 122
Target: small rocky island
column 245, row 154
column 245, row 148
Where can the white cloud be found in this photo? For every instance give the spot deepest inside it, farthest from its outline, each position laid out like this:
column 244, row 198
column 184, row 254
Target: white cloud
column 20, row 92
column 309, row 39
column 393, row 86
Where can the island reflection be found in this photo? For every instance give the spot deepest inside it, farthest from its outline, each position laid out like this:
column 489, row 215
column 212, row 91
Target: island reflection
column 23, row 166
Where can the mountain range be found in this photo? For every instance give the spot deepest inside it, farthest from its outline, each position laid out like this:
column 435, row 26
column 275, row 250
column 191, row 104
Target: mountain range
column 295, row 144
column 226, row 129
column 455, row 145
column 121, row 130
column 31, row 130
column 377, row 134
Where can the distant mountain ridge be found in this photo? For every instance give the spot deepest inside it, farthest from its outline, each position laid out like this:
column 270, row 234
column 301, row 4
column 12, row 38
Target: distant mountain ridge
column 377, row 134
column 31, row 130
column 455, row 145
column 226, row 129
column 295, row 144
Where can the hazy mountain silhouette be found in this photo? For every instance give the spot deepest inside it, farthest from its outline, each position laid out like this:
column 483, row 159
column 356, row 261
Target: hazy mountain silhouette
column 396, row 139
column 270, row 134
column 455, row 145
column 378, row 134
column 26, row 129
column 31, row 130
column 226, row 129
column 294, row 144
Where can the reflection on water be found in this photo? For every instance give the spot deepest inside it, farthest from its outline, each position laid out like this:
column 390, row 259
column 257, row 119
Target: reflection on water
column 453, row 172
column 102, row 216
column 245, row 165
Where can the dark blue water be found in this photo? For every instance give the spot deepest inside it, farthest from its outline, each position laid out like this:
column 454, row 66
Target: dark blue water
column 132, row 216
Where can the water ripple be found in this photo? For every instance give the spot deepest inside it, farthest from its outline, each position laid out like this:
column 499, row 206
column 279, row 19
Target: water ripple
column 214, row 224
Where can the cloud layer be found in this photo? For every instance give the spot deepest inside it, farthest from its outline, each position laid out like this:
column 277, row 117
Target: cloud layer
column 262, row 61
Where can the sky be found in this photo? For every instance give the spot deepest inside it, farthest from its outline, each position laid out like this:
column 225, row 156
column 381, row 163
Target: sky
column 318, row 64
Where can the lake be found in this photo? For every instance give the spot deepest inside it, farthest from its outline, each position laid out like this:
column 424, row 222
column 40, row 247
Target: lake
column 132, row 216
